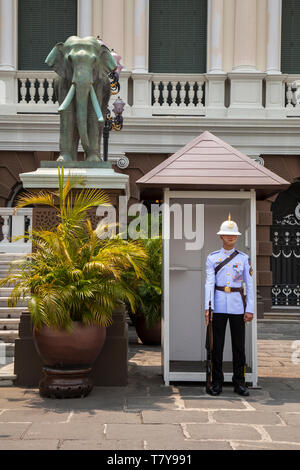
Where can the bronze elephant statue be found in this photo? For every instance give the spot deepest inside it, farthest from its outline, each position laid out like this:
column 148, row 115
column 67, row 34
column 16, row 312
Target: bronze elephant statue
column 83, row 91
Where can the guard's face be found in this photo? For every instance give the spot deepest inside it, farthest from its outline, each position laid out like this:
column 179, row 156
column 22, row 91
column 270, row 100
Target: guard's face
column 229, row 240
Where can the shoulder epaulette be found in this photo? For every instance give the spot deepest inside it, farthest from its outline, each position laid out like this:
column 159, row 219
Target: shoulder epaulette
column 214, row 252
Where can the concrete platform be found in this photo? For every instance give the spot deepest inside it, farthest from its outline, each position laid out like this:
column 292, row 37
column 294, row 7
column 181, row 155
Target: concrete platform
column 146, row 415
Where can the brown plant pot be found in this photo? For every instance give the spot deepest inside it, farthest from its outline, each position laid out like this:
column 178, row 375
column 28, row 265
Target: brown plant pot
column 148, row 335
column 68, row 357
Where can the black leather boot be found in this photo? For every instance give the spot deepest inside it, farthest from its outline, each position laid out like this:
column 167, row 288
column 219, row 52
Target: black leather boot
column 214, row 390
column 241, row 390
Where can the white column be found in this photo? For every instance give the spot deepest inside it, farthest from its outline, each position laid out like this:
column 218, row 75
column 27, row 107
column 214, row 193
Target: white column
column 216, row 36
column 113, row 25
column 245, row 36
column 85, row 17
column 274, row 36
column 7, row 38
column 140, row 63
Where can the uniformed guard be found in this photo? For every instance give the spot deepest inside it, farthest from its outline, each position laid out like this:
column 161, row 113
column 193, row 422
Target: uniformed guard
column 226, row 270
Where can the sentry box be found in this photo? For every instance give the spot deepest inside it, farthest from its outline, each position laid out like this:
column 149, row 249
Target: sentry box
column 200, row 185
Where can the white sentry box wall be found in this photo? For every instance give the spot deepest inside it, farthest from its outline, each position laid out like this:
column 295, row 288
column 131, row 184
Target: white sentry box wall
column 183, row 322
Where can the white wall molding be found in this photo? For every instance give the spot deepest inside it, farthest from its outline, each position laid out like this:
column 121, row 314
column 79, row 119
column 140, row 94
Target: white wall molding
column 159, row 134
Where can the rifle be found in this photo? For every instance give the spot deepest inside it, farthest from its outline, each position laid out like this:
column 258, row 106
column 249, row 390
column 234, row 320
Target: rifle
column 209, row 348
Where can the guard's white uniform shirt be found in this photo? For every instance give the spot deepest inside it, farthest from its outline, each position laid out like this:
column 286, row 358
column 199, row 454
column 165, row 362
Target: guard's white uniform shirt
column 233, row 274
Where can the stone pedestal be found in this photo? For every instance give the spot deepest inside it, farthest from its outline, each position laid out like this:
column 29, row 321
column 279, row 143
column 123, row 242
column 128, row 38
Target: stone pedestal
column 275, row 96
column 215, row 95
column 246, row 95
column 99, row 175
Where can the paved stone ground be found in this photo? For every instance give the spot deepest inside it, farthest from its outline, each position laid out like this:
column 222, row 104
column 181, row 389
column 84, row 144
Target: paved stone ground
column 147, row 415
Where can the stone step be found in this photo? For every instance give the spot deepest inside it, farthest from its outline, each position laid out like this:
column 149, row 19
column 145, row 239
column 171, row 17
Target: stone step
column 4, row 272
column 10, row 256
column 5, row 291
column 11, row 262
column 21, row 302
column 9, row 336
column 276, row 320
column 7, row 324
column 7, row 374
column 7, row 312
column 7, row 382
column 10, row 314
column 7, row 351
column 5, row 265
column 282, row 316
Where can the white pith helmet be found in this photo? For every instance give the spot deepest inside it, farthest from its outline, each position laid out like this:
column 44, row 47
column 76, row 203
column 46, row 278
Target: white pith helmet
column 229, row 227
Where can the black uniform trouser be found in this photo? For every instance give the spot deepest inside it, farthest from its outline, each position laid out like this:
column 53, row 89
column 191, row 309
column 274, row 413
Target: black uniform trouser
column 237, row 330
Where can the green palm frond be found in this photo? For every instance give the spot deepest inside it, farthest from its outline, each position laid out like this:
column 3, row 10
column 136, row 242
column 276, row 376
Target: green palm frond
column 42, row 198
column 72, row 273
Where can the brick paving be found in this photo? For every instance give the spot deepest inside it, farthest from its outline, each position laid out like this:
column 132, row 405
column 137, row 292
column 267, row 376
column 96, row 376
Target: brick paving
column 146, row 415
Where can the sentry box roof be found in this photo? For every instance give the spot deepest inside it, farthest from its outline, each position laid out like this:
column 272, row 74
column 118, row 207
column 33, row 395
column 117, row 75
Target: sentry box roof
column 208, row 163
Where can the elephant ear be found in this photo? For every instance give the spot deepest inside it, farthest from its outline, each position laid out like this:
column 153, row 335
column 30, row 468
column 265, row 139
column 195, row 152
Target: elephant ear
column 56, row 61
column 107, row 62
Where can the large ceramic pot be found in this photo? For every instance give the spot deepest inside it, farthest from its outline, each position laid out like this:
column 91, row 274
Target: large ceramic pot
column 68, row 357
column 148, row 335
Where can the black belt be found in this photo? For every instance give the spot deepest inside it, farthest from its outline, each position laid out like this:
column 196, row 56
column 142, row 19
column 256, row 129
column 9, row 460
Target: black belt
column 229, row 289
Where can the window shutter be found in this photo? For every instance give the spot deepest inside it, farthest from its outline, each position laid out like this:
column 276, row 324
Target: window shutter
column 41, row 24
column 177, row 38
column 290, row 37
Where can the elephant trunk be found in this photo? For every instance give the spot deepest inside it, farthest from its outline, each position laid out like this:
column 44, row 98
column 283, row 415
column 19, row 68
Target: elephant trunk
column 82, row 97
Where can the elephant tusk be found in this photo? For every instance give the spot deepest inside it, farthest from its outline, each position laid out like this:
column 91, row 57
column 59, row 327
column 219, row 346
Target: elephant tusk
column 68, row 99
column 96, row 105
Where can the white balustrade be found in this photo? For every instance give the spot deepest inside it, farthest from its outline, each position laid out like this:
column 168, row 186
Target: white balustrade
column 36, row 91
column 15, row 225
column 178, row 94
column 292, row 95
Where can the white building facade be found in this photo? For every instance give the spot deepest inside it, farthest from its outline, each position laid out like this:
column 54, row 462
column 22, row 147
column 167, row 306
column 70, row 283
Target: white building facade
column 227, row 66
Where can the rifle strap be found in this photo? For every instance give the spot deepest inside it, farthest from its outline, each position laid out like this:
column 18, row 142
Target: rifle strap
column 227, row 260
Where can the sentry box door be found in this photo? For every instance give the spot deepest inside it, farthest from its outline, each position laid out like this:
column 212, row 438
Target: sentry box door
column 191, row 220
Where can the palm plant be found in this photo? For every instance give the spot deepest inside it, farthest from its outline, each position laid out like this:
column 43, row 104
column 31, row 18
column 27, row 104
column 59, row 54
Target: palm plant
column 149, row 287
column 74, row 273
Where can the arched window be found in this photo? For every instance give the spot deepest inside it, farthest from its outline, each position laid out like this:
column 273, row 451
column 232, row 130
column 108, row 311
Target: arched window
column 177, row 37
column 290, row 36
column 41, row 24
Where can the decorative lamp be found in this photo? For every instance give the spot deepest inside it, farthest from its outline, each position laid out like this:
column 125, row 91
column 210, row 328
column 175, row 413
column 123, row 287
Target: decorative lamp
column 118, row 106
column 117, row 59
